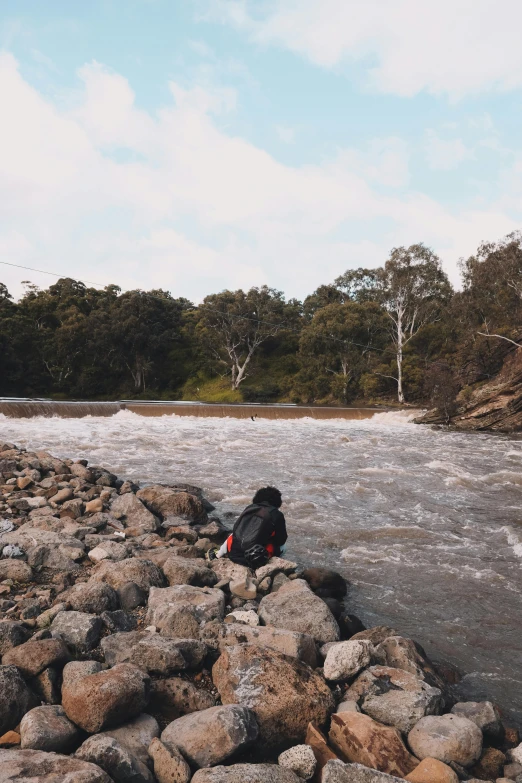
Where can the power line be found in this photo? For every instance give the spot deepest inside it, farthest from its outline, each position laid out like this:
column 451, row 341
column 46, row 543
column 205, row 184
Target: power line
column 53, row 274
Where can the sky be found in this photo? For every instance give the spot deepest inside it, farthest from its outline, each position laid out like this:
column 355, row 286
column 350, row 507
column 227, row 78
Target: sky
column 198, row 145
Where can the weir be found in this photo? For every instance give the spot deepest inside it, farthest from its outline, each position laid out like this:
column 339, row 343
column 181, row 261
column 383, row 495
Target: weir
column 24, row 409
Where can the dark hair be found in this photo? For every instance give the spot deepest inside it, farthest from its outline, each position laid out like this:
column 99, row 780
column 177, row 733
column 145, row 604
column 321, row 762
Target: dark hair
column 268, row 495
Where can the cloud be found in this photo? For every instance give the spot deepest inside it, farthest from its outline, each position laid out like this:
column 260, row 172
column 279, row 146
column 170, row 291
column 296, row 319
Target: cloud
column 406, row 46
column 105, row 191
column 287, row 135
column 445, row 154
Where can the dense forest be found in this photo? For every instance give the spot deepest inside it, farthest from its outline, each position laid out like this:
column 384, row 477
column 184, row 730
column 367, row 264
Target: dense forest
column 395, row 333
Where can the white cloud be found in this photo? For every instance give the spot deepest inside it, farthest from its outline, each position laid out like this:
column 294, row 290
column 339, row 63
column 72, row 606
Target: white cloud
column 445, row 154
column 287, row 135
column 443, row 46
column 106, row 192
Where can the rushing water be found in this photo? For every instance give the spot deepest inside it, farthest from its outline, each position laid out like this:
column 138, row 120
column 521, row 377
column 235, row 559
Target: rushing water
column 425, row 524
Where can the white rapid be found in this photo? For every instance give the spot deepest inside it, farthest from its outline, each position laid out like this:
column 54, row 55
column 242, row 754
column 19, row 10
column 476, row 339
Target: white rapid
column 426, row 524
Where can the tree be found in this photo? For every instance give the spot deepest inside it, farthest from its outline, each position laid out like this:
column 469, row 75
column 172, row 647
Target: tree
column 234, row 324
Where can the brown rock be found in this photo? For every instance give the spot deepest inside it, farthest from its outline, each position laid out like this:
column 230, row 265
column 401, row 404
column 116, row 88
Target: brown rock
column 137, row 518
column 174, row 697
column 10, row 739
column 490, row 765
column 33, row 657
column 169, row 502
column 298, row 645
column 360, row 739
column 188, row 571
column 169, row 764
column 246, row 773
column 297, row 608
column 284, row 693
column 106, row 698
column 16, row 570
column 136, row 735
column 322, row 752
column 375, row 635
column 37, row 766
column 117, row 574
column 432, row 771
column 93, row 506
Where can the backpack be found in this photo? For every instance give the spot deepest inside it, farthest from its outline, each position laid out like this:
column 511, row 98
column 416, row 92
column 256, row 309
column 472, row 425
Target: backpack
column 247, row 531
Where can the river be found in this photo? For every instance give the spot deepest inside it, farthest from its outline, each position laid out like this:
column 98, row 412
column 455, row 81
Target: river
column 425, row 524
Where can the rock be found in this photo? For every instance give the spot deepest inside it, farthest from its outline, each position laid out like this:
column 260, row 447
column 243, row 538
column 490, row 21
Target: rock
column 79, row 630
column 515, row 754
column 157, row 655
column 15, row 698
column 362, row 740
column 346, row 659
column 16, row 570
column 300, row 759
column 243, row 588
column 178, row 529
column 347, row 706
column 296, row 608
column 12, row 634
column 36, row 766
column 109, row 550
column 326, row 580
column 229, row 571
column 169, row 764
column 137, row 518
column 275, row 566
column 115, row 759
column 449, row 738
column 10, row 739
column 248, row 617
column 142, row 572
column 94, row 505
column 337, row 772
column 136, row 735
column 246, row 773
column 484, row 714
column 285, row 694
column 165, row 501
column 322, row 752
column 399, row 653
column 375, row 635
column 118, row 621
column 48, row 728
column 33, row 657
column 92, row 597
column 45, row 619
column 104, row 699
column 130, row 596
column 490, row 765
column 278, row 581
column 152, row 652
column 77, row 670
column 46, row 686
column 395, row 697
column 432, row 771
column 203, row 603
column 298, row 645
column 188, row 571
column 512, row 771
column 209, row 737
column 214, row 531
column 174, row 697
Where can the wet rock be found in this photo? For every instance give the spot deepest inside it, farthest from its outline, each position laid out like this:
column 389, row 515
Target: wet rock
column 362, row 740
column 92, row 597
column 484, row 714
column 337, row 772
column 285, row 694
column 346, row 659
column 169, row 764
column 490, row 765
column 136, row 735
column 79, row 630
column 187, row 571
column 142, row 572
column 327, row 581
column 15, row 698
column 165, row 501
column 37, row 766
column 296, row 608
column 35, row 656
column 174, row 697
column 300, row 759
column 298, row 645
column 137, row 518
column 130, row 596
column 375, row 635
column 16, row 570
column 115, row 759
column 449, row 738
column 209, row 737
column 77, row 670
column 12, row 634
column 104, row 699
column 203, row 603
column 246, row 773
column 48, row 728
column 46, row 686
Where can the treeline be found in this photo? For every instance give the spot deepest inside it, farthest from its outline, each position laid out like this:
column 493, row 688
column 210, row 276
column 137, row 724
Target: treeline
column 396, row 332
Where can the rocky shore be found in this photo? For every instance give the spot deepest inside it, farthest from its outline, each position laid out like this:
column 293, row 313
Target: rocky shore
column 127, row 656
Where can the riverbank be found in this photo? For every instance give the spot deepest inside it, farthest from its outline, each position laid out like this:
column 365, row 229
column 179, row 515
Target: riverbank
column 124, row 649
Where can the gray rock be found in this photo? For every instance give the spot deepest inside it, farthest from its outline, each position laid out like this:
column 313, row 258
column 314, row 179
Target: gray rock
column 296, row 608
column 484, row 714
column 131, row 596
column 142, row 572
column 169, row 764
column 300, row 759
column 449, row 738
column 36, row 766
column 337, row 772
column 135, row 516
column 115, row 759
column 275, row 566
column 48, row 728
column 228, row 571
column 77, row 670
column 16, row 570
column 174, row 697
column 35, row 656
column 79, row 630
column 118, row 621
column 346, row 659
column 15, row 698
column 92, row 597
column 46, row 686
column 298, row 645
column 246, row 773
column 210, row 737
column 157, row 655
column 188, row 571
column 347, row 706
column 12, row 634
column 204, row 603
column 136, row 735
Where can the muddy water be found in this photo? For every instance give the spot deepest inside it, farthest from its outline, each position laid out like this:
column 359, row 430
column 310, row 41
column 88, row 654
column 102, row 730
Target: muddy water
column 426, row 525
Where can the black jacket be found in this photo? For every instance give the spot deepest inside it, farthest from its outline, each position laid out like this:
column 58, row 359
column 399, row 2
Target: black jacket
column 259, row 523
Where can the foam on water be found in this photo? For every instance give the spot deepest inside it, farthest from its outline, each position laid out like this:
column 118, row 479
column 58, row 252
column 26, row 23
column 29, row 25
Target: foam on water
column 422, row 522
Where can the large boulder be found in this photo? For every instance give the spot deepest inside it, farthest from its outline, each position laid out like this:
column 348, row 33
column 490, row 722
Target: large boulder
column 92, row 597
column 166, row 604
column 361, row 740
column 346, row 659
column 153, row 653
column 174, row 697
column 484, row 714
column 36, row 766
column 189, row 571
column 142, row 573
column 48, row 728
column 395, row 697
column 298, row 645
column 295, row 607
column 228, row 571
column 15, row 698
column 136, row 735
column 35, row 656
column 135, row 516
column 77, row 670
column 449, row 738
column 326, row 582
column 115, row 759
column 79, row 630
column 400, row 653
column 106, row 698
column 246, row 773
column 284, row 693
column 337, row 772
column 212, row 736
column 166, row 501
